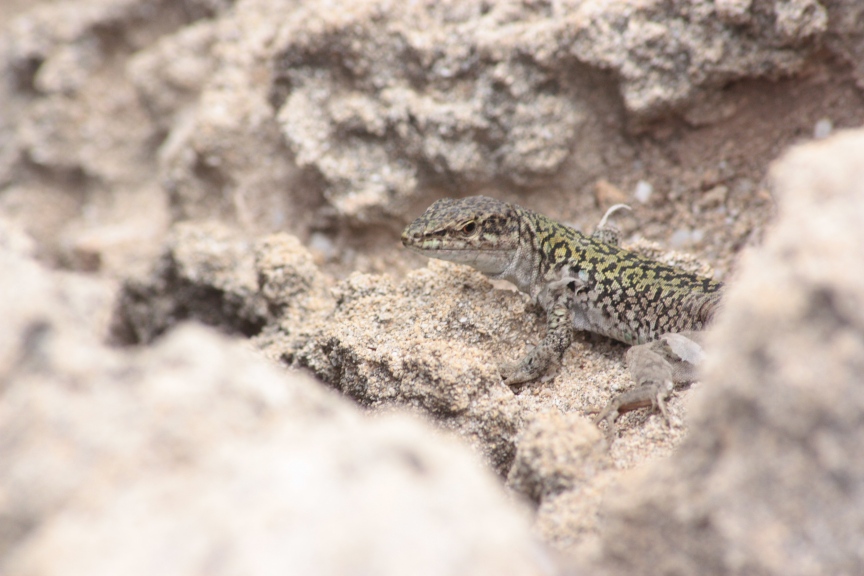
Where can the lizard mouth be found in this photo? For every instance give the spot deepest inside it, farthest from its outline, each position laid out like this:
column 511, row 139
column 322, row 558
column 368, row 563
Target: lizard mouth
column 441, row 252
column 492, row 261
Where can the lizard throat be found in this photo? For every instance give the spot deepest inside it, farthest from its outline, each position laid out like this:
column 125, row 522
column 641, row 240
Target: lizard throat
column 488, row 261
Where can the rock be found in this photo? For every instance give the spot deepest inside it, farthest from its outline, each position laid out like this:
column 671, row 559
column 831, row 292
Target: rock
column 361, row 93
column 223, row 157
column 607, row 194
column 564, row 467
column 15, row 240
column 430, row 343
column 77, row 143
column 216, row 275
column 367, row 338
column 206, row 272
column 557, row 453
column 31, row 301
column 195, row 456
column 771, row 479
column 380, row 103
column 845, row 36
column 426, row 344
column 51, row 51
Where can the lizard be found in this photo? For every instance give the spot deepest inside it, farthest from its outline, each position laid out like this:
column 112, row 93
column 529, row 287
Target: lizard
column 582, row 282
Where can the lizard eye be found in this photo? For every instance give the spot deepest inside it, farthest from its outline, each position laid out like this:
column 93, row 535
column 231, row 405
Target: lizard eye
column 468, row 228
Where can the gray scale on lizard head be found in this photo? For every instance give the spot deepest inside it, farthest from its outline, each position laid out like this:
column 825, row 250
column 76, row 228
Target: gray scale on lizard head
column 478, row 231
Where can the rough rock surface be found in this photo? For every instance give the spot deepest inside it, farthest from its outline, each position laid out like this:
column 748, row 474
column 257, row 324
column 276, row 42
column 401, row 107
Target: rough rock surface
column 74, row 135
column 771, row 480
column 518, row 73
column 216, row 275
column 195, row 457
column 379, row 98
column 397, row 345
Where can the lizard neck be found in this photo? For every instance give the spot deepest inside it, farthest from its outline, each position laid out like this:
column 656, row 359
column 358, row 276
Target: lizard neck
column 525, row 269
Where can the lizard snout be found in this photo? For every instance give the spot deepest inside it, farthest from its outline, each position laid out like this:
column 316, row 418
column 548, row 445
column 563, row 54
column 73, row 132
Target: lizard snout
column 410, row 237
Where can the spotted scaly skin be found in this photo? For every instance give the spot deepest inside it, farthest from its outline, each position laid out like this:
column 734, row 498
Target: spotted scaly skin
column 581, row 282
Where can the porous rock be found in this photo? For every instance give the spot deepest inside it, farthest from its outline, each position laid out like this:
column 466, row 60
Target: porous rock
column 428, row 343
column 379, row 100
column 217, row 275
column 76, row 140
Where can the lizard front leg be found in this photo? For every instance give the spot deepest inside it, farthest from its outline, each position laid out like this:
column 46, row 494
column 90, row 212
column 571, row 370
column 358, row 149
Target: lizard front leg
column 656, row 367
column 559, row 336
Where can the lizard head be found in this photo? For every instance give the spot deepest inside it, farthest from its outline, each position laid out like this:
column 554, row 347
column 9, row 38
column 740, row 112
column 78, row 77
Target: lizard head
column 479, row 231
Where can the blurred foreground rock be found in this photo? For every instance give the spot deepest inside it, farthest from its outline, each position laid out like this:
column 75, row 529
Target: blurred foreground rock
column 771, row 478
column 193, row 456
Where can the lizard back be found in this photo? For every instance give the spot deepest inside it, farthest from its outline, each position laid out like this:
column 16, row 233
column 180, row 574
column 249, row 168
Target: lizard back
column 618, row 293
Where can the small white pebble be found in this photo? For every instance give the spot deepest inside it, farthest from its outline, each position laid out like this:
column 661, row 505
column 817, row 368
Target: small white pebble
column 823, row 128
column 643, row 191
column 322, row 244
column 680, row 238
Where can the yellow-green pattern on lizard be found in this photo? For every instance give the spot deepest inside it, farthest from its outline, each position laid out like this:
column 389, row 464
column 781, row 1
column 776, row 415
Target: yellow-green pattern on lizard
column 583, row 283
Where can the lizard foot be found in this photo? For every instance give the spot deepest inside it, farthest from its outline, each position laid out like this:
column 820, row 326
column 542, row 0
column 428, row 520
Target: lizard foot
column 517, row 373
column 546, row 356
column 652, row 394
